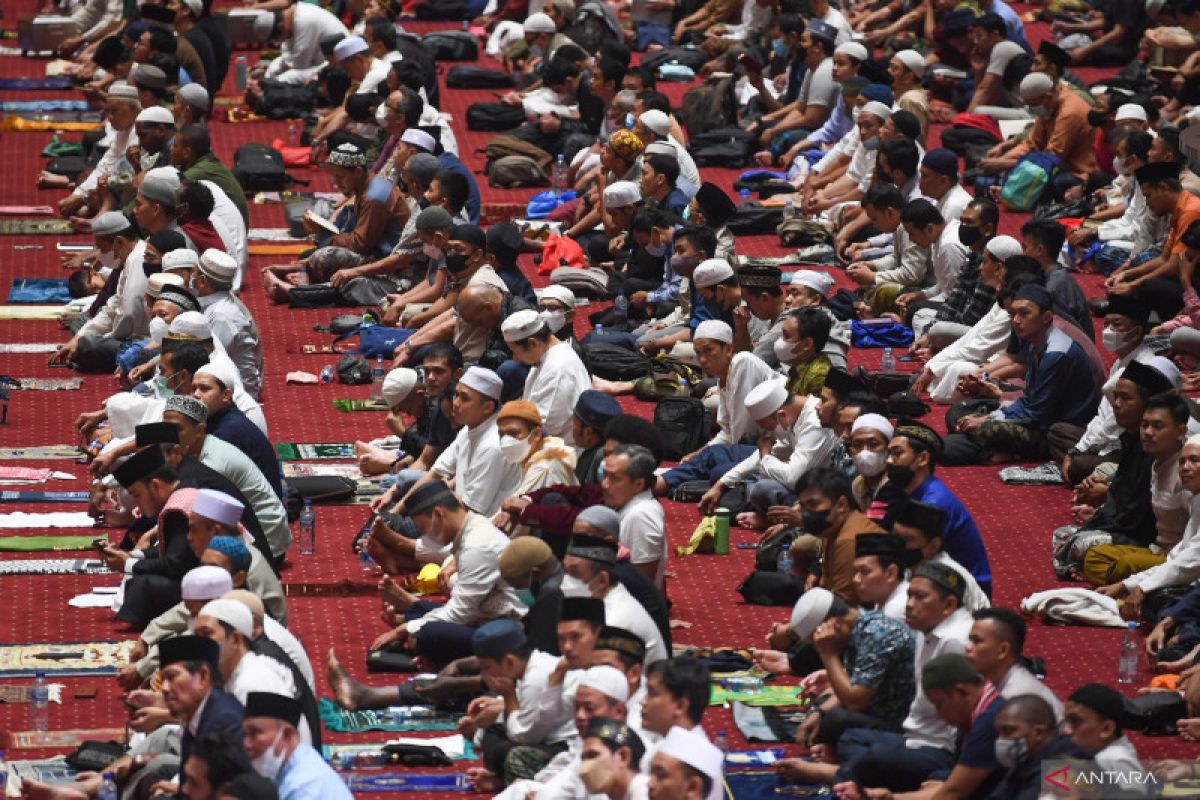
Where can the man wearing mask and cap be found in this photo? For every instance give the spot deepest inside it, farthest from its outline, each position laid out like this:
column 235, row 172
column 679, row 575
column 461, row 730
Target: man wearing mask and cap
column 808, row 101
column 919, row 526
column 302, row 30
column 556, row 306
column 273, row 742
column 686, row 766
column 544, row 460
column 611, row 753
column 556, row 376
column 122, row 316
column 807, row 288
column 121, row 109
column 1061, row 129
column 366, row 73
column 422, row 245
column 231, row 322
column 867, row 447
column 1059, row 387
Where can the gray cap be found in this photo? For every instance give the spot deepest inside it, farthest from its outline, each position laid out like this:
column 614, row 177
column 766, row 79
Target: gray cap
column 602, row 518
column 160, row 185
column 424, row 165
column 149, row 76
column 120, row 90
column 109, row 223
column 195, row 96
column 434, row 218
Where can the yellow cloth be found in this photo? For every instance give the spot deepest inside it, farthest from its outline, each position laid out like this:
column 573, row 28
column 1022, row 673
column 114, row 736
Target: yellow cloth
column 809, row 377
column 427, row 580
column 288, row 249
column 703, row 538
column 1109, row 563
column 552, row 465
column 22, row 125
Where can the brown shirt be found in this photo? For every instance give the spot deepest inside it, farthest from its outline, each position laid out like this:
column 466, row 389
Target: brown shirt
column 1066, row 133
column 377, row 221
column 837, row 565
column 189, row 59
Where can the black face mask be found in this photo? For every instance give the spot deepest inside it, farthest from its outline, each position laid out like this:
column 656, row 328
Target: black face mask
column 456, row 262
column 815, row 522
column 912, row 558
column 969, row 235
column 801, row 53
column 423, row 203
column 151, row 269
column 901, row 475
column 1096, row 118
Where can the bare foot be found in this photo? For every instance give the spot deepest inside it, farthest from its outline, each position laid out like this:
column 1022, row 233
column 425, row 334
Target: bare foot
column 612, row 387
column 373, row 460
column 1189, row 729
column 799, row 770
column 276, row 289
column 393, row 593
column 48, row 180
column 41, row 791
column 297, row 278
column 347, row 691
column 752, row 520
column 484, row 781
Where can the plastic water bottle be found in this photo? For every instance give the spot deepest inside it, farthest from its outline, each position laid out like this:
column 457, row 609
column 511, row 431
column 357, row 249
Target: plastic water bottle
column 744, row 194
column 39, row 704
column 599, row 330
column 784, row 564
column 789, row 211
column 328, row 373
column 560, row 175
column 108, row 788
column 308, row 529
column 889, row 360
column 685, row 388
column 621, row 306
column 293, row 134
column 1127, row 665
column 283, row 486
column 377, row 380
column 243, row 73
column 721, row 742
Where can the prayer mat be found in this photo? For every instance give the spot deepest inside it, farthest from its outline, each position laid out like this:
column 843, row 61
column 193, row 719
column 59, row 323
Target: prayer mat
column 25, row 474
column 48, row 384
column 300, row 470
column 340, row 720
column 759, row 785
column 316, row 452
column 29, row 347
column 45, row 211
column 53, row 566
column 23, row 692
column 766, row 724
column 353, row 404
column 35, row 83
column 792, row 259
column 61, row 740
column 37, row 544
column 44, row 105
column 12, row 496
column 297, row 249
column 751, row 759
column 263, row 198
column 35, row 227
column 39, row 290
column 64, row 658
column 456, row 747
column 51, row 519
column 321, row 349
column 272, row 235
column 30, row 312
column 50, row 771
column 769, row 696
column 380, row 782
column 13, row 124
column 44, row 451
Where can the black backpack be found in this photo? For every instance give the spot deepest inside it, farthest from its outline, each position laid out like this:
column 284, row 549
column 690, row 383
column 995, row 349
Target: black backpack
column 710, row 106
column 452, row 46
column 285, row 101
column 259, row 168
column 494, row 117
column 687, row 56
column 753, row 218
column 469, row 76
column 722, row 147
column 441, row 10
column 594, row 26
column 615, row 363
column 683, row 424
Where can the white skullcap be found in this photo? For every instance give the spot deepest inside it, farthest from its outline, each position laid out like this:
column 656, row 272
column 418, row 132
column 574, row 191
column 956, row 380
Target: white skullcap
column 1035, row 85
column 660, row 148
column 350, row 47
column 398, row 385
column 765, row 399
column 484, row 381
column 221, row 370
column 520, row 325
column 156, row 114
column 218, row 265
column 191, row 323
column 656, row 121
column 205, row 583
column 218, row 507
column 539, row 23
column 559, row 294
column 232, row 613
column 852, row 49
column 195, row 96
column 714, row 329
column 608, row 681
column 1131, row 111
column 418, row 138
column 695, row 750
column 1003, row 248
column 156, row 282
column 123, row 91
column 875, row 422
column 182, row 258
column 878, row 109
column 109, row 223
column 264, row 24
column 913, row 60
column 819, row 282
column 810, row 610
column 1165, row 367
column 195, row 6
column 710, row 272
column 621, row 194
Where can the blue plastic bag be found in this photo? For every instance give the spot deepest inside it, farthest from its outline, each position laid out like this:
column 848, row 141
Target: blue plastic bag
column 894, row 335
column 542, row 203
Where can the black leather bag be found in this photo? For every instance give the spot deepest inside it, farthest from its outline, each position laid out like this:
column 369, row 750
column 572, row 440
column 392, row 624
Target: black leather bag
column 416, row 755
column 315, row 295
column 94, row 756
column 353, row 370
column 319, row 489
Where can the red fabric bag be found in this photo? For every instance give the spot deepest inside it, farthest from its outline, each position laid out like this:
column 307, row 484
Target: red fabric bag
column 559, row 251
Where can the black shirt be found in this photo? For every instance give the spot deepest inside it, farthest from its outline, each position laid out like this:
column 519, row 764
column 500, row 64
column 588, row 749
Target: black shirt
column 214, row 29
column 1127, row 513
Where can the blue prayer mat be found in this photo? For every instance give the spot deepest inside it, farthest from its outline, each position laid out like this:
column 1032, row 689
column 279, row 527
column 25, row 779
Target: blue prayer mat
column 38, row 291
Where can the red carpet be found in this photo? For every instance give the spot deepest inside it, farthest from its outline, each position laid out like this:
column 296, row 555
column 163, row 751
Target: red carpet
column 1016, row 522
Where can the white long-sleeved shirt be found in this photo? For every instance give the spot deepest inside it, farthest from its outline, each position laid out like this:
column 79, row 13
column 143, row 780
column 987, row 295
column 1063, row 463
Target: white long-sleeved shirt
column 482, row 478
column 923, row 727
column 92, row 17
column 479, row 594
column 533, row 722
column 985, row 339
column 755, row 19
column 1182, row 566
column 622, row 610
column 948, row 255
column 231, row 228
column 554, row 385
column 123, row 316
column 301, row 54
column 746, row 371
column 954, row 202
column 118, row 143
column 1102, row 434
column 233, row 326
column 908, row 264
column 808, row 445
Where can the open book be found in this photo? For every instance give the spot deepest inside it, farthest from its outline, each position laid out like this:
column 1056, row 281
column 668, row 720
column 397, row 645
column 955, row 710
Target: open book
column 321, row 222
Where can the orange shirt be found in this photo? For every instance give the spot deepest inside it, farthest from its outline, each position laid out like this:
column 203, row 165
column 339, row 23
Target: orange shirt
column 1187, row 211
column 1066, row 133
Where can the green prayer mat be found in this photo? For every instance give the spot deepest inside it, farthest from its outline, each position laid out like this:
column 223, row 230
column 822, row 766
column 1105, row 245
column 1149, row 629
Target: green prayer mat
column 33, row 544
column 350, row 404
column 35, row 227
column 769, row 696
column 45, row 451
column 340, row 720
column 343, row 451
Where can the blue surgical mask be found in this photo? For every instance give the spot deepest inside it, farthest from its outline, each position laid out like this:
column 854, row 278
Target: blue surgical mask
column 600, row 471
column 656, row 250
column 526, row 597
column 872, row 143
column 629, row 121
column 780, row 48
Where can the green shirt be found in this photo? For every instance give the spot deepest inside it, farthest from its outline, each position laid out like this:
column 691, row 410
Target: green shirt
column 809, row 377
column 208, row 168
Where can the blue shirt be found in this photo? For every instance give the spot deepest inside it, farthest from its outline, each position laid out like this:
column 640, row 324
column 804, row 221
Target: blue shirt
column 233, row 426
column 474, row 203
column 306, row 776
column 700, row 309
column 960, row 537
column 1012, row 24
column 836, row 127
column 1058, row 385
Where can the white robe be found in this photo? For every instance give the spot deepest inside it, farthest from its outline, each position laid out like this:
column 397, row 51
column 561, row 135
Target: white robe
column 554, row 386
column 986, row 339
column 482, row 478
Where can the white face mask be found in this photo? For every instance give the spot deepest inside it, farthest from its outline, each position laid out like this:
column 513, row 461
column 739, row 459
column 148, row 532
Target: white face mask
column 785, row 352
column 381, row 115
column 555, row 320
column 869, row 463
column 1010, row 752
column 432, row 252
column 158, row 329
column 147, row 160
column 514, row 450
column 1113, row 340
column 270, row 762
column 573, row 587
